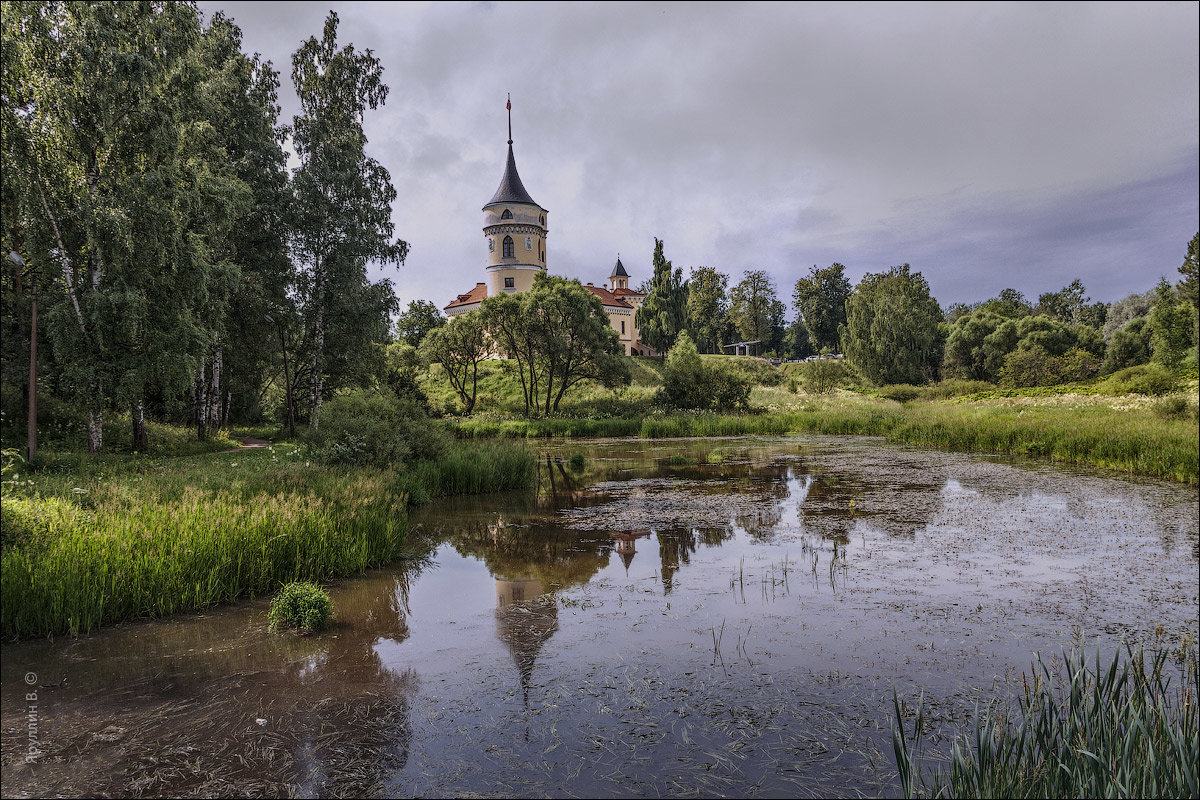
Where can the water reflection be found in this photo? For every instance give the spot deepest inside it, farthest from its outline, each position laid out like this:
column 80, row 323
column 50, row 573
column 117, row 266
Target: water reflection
column 604, row 595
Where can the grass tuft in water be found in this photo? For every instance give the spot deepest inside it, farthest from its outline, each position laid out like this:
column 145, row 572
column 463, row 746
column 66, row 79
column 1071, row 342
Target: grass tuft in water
column 1121, row 729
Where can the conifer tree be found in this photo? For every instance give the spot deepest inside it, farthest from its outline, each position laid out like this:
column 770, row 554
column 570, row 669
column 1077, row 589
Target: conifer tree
column 663, row 313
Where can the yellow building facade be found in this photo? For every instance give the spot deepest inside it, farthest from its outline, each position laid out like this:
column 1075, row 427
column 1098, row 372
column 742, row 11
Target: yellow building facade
column 515, row 228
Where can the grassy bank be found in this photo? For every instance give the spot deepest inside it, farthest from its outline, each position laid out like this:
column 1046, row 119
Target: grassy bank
column 1121, row 729
column 1116, row 433
column 96, row 541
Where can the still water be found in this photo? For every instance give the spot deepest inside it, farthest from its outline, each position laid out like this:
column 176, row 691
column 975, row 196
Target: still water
column 682, row 617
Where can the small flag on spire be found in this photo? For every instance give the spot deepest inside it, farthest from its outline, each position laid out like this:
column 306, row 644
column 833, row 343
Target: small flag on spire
column 508, row 105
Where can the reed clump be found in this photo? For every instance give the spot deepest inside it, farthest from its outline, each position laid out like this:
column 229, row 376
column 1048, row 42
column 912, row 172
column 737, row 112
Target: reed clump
column 1127, row 728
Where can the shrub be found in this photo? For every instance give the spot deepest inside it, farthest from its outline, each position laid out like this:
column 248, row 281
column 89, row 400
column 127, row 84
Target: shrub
column 1036, row 367
column 576, row 462
column 1142, row 379
column 956, row 388
column 302, row 605
column 690, row 383
column 823, row 375
column 901, row 392
column 376, row 428
column 1172, row 406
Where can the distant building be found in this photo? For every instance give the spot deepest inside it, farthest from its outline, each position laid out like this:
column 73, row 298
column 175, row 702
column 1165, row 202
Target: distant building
column 515, row 228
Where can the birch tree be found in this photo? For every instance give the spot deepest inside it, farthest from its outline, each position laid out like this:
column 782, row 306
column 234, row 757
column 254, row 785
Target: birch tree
column 108, row 163
column 342, row 202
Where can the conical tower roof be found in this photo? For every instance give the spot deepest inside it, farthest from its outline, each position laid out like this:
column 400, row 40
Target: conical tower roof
column 511, row 189
column 619, row 270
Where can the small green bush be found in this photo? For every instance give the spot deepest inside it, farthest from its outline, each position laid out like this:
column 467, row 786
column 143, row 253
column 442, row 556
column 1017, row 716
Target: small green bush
column 1035, row 366
column 374, row 428
column 300, row 605
column 901, row 392
column 1143, row 379
column 690, row 383
column 823, row 375
column 955, row 387
column 1172, row 406
column 576, row 462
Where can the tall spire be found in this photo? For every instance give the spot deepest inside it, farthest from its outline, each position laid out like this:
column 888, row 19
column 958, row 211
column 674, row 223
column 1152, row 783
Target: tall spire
column 511, row 189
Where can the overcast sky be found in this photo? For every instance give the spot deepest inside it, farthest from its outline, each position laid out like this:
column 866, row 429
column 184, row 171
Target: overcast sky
column 989, row 146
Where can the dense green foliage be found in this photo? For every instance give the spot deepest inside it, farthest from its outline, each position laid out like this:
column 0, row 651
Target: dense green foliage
column 756, row 312
column 892, row 332
column 300, row 604
column 1128, row 728
column 820, row 301
column 708, row 309
column 415, row 322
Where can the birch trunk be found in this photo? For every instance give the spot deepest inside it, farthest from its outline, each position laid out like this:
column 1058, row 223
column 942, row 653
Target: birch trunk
column 316, row 381
column 31, row 421
column 214, row 391
column 95, row 425
column 137, row 413
column 201, row 402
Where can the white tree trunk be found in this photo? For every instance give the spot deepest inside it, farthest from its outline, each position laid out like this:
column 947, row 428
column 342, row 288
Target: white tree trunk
column 316, row 381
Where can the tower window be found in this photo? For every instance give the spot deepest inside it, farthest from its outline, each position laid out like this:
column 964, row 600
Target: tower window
column 528, row 242
column 508, row 247
column 506, row 215
column 509, row 283
column 491, row 244
column 542, row 218
column 622, row 327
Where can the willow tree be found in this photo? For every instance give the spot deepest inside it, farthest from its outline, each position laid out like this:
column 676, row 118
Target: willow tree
column 342, row 203
column 893, row 328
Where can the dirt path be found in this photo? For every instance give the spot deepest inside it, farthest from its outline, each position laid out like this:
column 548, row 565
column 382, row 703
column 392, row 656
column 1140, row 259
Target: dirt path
column 248, row 443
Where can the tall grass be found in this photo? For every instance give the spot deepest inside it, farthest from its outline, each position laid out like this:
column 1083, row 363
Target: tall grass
column 1115, row 730
column 1135, row 441
column 111, row 540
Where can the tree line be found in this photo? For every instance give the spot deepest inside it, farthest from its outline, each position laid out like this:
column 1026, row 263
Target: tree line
column 892, row 330
column 159, row 257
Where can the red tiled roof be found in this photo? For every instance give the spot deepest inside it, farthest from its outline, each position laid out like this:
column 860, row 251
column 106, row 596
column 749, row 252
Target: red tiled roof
column 627, row 293
column 607, row 297
column 476, row 295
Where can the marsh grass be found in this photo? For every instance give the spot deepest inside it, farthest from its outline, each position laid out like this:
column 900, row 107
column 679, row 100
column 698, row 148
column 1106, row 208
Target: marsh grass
column 1121, row 729
column 109, row 539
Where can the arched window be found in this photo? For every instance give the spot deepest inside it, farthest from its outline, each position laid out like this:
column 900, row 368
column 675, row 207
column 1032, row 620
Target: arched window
column 491, row 244
column 528, row 242
column 506, row 215
column 508, row 247
column 543, row 219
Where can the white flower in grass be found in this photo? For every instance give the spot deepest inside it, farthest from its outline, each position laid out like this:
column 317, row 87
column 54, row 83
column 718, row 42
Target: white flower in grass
column 77, row 490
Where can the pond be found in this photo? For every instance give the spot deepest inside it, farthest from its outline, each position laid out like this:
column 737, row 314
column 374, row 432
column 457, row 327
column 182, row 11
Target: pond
column 683, row 617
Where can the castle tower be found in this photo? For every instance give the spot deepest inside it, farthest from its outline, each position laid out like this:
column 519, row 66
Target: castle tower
column 515, row 228
column 619, row 279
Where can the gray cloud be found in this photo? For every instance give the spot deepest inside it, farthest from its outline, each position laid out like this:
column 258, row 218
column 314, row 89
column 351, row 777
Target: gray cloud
column 987, row 145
